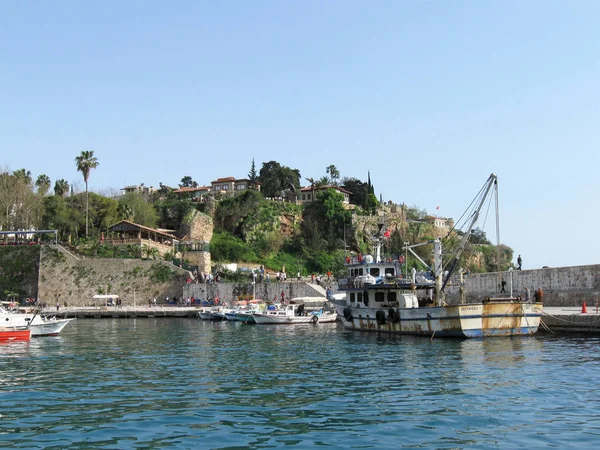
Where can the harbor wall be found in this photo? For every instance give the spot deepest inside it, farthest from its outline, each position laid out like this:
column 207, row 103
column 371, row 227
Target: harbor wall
column 52, row 274
column 264, row 291
column 73, row 281
column 562, row 286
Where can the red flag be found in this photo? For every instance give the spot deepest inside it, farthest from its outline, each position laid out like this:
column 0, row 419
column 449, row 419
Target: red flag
column 387, row 234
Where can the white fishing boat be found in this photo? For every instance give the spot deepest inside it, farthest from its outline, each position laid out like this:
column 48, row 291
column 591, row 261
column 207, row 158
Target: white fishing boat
column 294, row 314
column 378, row 298
column 212, row 313
column 40, row 325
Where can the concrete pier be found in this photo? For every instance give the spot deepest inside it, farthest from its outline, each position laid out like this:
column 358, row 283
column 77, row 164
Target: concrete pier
column 125, row 312
column 571, row 320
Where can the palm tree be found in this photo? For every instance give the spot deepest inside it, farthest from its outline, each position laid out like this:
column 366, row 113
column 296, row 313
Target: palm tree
column 61, row 187
column 23, row 175
column 334, row 174
column 85, row 163
column 43, row 184
column 125, row 211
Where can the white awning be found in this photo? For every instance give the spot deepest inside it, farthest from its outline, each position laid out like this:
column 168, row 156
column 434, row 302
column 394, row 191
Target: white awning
column 105, row 296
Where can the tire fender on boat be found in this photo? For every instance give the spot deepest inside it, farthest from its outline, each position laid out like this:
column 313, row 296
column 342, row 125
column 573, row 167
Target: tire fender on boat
column 380, row 317
column 348, row 314
column 393, row 316
column 315, row 319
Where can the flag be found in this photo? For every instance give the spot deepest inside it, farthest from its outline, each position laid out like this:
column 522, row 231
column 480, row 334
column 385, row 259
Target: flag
column 387, row 234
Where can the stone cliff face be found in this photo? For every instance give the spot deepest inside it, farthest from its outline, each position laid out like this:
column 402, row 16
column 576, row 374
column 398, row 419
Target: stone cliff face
column 73, row 281
column 197, row 227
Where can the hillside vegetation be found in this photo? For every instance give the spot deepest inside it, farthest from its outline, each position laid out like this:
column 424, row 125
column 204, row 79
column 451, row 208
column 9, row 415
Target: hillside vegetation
column 261, row 227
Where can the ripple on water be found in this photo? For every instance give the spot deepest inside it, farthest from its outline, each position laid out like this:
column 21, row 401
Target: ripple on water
column 190, row 384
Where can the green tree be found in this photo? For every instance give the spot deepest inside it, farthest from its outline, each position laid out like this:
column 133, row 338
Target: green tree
column 61, row 187
column 187, row 181
column 150, row 252
column 358, row 189
column 334, row 174
column 275, row 179
column 23, row 175
column 312, row 187
column 252, row 176
column 19, row 206
column 138, row 209
column 43, row 184
column 85, row 162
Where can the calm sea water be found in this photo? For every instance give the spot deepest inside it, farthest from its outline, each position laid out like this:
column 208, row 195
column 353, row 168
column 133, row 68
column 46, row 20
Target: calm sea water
column 185, row 383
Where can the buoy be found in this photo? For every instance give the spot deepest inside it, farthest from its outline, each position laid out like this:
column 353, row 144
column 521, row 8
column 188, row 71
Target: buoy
column 583, row 308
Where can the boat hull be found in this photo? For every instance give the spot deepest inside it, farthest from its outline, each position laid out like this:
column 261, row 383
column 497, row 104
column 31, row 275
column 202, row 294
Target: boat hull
column 49, row 328
column 272, row 319
column 14, row 335
column 40, row 326
column 465, row 321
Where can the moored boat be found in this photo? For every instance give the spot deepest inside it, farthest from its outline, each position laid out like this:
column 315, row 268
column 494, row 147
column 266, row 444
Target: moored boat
column 294, row 314
column 14, row 334
column 40, row 325
column 378, row 298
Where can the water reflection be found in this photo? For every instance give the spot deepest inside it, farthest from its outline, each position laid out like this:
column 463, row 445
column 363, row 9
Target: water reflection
column 182, row 383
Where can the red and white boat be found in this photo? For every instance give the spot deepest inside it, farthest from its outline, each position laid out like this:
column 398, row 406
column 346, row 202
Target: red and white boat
column 39, row 325
column 8, row 334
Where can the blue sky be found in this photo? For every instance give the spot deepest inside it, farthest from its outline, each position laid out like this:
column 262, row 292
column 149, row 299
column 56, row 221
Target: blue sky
column 429, row 96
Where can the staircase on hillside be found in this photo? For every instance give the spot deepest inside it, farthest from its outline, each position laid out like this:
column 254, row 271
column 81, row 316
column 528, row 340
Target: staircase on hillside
column 317, row 287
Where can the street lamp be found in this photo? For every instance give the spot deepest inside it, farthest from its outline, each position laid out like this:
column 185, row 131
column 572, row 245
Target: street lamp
column 510, row 271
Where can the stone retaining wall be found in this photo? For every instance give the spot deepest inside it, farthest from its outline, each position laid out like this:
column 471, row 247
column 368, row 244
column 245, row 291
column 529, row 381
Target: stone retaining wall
column 562, row 286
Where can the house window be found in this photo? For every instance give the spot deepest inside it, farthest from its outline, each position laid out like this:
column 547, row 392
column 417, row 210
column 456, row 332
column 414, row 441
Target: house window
column 225, row 187
column 240, row 187
column 308, row 197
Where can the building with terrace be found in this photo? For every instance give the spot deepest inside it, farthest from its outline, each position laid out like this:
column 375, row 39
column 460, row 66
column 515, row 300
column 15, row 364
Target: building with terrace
column 309, row 193
column 130, row 233
column 138, row 189
column 194, row 193
column 232, row 186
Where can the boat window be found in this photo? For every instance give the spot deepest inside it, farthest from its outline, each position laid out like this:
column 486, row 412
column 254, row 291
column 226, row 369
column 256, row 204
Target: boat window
column 391, row 297
column 360, row 271
column 389, row 271
column 359, row 297
column 374, row 271
column 352, row 297
column 366, row 298
column 379, row 297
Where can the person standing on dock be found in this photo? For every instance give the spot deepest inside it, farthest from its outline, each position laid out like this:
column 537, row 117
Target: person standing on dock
column 503, row 284
column 519, row 262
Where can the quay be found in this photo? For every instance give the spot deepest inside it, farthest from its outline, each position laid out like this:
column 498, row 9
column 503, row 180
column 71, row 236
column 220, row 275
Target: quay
column 570, row 319
column 555, row 319
column 125, row 312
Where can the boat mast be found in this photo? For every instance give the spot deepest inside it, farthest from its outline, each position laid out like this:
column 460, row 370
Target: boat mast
column 492, row 181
